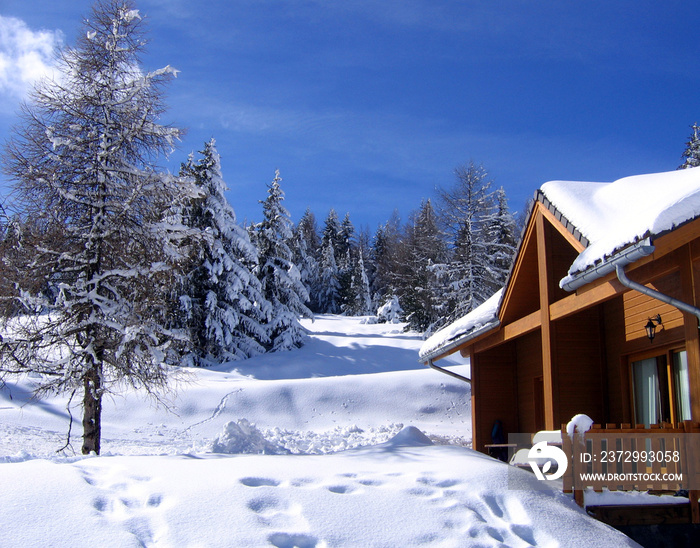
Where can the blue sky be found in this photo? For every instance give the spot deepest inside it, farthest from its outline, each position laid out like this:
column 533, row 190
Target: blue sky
column 366, row 106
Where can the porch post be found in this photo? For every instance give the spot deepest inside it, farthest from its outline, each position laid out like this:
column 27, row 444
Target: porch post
column 551, row 397
column 692, row 335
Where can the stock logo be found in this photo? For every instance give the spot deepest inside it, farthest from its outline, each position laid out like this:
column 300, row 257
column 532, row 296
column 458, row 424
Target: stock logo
column 544, row 454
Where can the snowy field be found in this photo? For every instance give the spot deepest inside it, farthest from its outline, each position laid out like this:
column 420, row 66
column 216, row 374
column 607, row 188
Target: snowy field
column 363, row 446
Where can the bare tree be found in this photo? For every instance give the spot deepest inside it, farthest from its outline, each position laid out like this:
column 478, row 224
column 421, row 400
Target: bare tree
column 95, row 274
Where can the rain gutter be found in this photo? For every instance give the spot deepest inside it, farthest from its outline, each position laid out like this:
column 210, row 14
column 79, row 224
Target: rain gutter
column 447, row 348
column 623, row 258
column 448, row 372
column 617, row 263
column 430, row 356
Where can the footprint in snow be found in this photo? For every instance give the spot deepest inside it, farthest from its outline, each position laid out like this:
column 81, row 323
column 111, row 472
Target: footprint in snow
column 341, row 489
column 259, row 482
column 292, row 540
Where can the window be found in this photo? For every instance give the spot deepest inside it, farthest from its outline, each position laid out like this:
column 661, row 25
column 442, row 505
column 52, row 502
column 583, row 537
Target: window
column 647, row 396
column 661, row 390
column 681, row 385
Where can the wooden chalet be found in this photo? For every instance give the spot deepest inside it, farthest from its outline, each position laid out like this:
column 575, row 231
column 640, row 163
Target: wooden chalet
column 568, row 334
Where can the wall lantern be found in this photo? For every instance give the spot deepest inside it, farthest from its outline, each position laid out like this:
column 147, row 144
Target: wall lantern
column 650, row 326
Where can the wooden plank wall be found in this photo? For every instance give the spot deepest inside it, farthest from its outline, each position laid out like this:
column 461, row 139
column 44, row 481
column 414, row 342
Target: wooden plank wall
column 495, row 371
column 529, row 357
column 580, row 361
column 638, row 308
column 625, row 317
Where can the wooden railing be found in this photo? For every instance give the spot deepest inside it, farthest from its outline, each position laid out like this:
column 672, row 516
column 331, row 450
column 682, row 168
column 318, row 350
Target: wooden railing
column 631, row 457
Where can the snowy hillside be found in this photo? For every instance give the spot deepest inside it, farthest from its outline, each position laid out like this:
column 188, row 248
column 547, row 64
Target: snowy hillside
column 355, row 390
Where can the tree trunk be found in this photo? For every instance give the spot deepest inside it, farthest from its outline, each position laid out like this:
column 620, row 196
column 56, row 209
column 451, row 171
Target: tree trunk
column 92, row 410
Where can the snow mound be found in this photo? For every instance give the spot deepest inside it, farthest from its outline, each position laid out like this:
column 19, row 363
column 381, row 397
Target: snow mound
column 243, row 437
column 409, row 437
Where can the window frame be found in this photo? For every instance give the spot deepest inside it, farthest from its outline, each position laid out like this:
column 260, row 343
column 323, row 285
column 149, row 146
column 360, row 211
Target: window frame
column 668, row 391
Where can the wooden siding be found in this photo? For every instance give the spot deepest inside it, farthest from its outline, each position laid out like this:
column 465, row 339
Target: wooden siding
column 529, row 358
column 580, row 358
column 638, row 308
column 560, row 256
column 493, row 373
column 522, row 297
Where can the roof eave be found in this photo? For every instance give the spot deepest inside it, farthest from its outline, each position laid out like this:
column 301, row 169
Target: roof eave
column 452, row 346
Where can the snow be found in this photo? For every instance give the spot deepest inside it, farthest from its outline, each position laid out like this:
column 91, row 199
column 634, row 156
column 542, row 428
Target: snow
column 482, row 317
column 370, row 450
column 614, row 215
column 579, row 423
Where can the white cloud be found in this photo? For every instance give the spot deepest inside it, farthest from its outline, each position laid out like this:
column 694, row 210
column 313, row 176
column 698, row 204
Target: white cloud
column 25, row 55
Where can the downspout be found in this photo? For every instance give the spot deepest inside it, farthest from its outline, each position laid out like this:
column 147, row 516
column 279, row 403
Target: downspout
column 624, row 280
column 448, row 372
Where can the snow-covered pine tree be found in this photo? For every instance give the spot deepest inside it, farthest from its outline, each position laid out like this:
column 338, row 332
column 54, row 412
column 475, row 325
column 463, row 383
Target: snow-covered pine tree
column 221, row 298
column 346, row 237
column 345, row 259
column 307, row 247
column 329, row 292
column 422, row 256
column 463, row 208
column 385, row 247
column 279, row 276
column 83, row 166
column 390, row 311
column 330, row 270
column 361, row 304
column 692, row 150
column 332, row 234
column 501, row 238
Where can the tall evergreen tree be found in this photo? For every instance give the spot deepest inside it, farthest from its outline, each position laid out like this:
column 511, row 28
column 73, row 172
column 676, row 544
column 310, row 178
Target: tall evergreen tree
column 692, row 150
column 331, row 234
column 221, row 297
column 464, row 207
column 279, row 276
column 346, row 237
column 360, row 303
column 501, row 239
column 385, row 246
column 83, row 165
column 329, row 294
column 345, row 255
column 422, row 262
column 307, row 248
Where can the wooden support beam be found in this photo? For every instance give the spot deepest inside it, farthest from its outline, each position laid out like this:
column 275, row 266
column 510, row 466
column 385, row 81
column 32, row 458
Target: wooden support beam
column 510, row 331
column 692, row 336
column 556, row 223
column 546, row 328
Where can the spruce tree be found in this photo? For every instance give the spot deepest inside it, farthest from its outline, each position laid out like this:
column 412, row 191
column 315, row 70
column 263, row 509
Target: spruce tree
column 279, row 276
column 385, row 247
column 361, row 298
column 422, row 258
column 463, row 209
column 329, row 294
column 84, row 177
column 221, row 299
column 501, row 239
column 307, row 248
column 692, row 150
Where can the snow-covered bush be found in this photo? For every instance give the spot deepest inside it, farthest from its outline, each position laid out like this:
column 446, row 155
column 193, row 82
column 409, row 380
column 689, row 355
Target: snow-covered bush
column 390, row 311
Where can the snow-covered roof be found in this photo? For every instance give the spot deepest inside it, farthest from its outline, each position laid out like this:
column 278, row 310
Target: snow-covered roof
column 607, row 217
column 479, row 320
column 612, row 216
